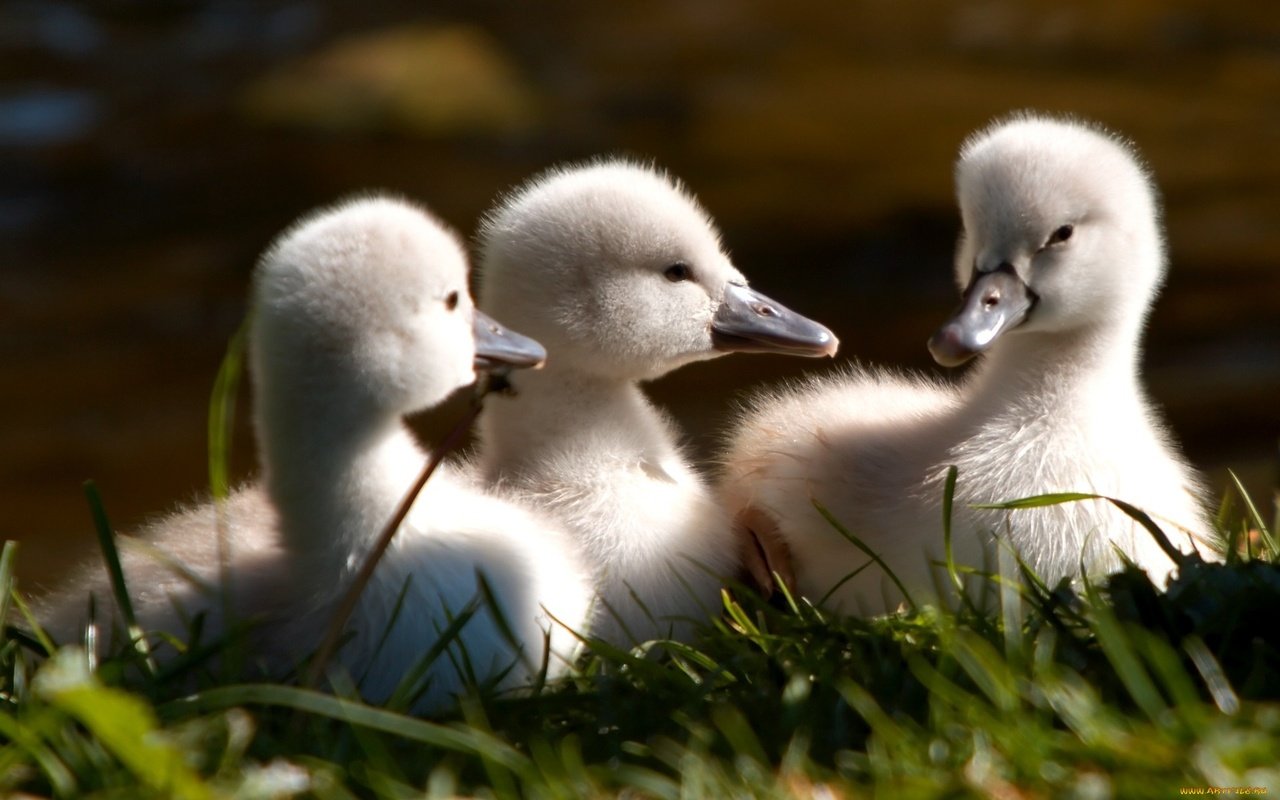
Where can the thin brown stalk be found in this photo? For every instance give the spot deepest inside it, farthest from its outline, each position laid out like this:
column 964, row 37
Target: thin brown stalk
column 352, row 596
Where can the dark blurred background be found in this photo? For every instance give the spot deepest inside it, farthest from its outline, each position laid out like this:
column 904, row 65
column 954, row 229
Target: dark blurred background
column 149, row 150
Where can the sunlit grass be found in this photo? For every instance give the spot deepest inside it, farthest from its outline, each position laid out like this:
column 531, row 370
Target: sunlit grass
column 1089, row 690
column 1115, row 689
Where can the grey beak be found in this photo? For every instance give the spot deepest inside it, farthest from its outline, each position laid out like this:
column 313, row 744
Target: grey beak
column 499, row 348
column 994, row 303
column 749, row 322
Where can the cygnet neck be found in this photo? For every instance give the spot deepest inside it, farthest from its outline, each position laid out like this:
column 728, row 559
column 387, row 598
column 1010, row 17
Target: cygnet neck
column 336, row 472
column 1060, row 373
column 554, row 408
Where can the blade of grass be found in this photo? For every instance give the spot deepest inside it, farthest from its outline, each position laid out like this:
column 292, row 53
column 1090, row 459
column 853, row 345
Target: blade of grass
column 221, row 426
column 989, row 671
column 7, row 588
column 107, row 541
column 944, row 690
column 1133, row 512
column 222, row 411
column 948, row 500
column 1215, row 680
column 416, row 683
column 1255, row 517
column 822, row 601
column 1011, row 608
column 37, row 631
column 500, row 621
column 833, row 522
column 735, row 727
column 454, row 739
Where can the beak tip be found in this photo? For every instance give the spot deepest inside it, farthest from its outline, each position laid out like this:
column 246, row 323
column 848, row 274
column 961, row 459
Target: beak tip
column 947, row 349
column 833, row 347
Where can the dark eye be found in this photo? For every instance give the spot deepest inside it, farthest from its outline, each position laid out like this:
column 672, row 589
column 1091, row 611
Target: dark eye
column 451, row 301
column 1060, row 235
column 678, row 272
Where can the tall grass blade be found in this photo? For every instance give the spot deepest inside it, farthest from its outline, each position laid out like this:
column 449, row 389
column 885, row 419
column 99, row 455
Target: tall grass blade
column 948, row 501
column 107, row 542
column 1168, row 667
column 944, row 690
column 1039, row 501
column 464, row 740
column 222, row 411
column 1215, row 680
column 38, row 633
column 822, row 601
column 873, row 555
column 1255, row 517
column 1011, row 593
column 948, row 504
column 499, row 616
column 988, row 670
column 1133, row 512
column 864, row 703
column 737, row 731
column 221, row 430
column 417, row 682
column 7, row 557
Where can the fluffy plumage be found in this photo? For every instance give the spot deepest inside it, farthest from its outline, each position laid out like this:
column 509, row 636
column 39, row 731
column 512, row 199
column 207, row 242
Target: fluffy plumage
column 362, row 314
column 1062, row 255
column 621, row 274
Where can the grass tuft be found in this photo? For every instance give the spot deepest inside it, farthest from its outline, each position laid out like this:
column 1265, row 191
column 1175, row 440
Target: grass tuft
column 1105, row 688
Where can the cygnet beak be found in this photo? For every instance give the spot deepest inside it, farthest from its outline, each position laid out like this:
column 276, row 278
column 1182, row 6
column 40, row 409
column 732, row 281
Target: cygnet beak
column 498, row 348
column 994, row 302
column 749, row 322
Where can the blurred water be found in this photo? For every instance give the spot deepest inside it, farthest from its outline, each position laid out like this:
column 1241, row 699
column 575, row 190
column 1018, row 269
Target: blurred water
column 148, row 150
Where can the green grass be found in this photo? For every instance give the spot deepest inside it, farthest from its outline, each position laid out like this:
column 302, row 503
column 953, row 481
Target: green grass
column 1113, row 689
column 1108, row 690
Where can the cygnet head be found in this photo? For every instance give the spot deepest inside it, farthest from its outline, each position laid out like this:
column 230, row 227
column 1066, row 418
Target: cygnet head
column 1061, row 235
column 620, row 273
column 364, row 307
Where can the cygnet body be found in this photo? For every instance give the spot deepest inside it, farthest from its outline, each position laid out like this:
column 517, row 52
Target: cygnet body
column 1060, row 259
column 620, row 273
column 361, row 315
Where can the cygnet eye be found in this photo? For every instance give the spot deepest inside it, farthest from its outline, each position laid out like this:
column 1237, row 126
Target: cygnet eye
column 678, row 272
column 1060, row 235
column 451, row 301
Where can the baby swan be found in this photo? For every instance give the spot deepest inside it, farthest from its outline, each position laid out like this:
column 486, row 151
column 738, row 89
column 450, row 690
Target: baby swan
column 620, row 273
column 362, row 315
column 1060, row 258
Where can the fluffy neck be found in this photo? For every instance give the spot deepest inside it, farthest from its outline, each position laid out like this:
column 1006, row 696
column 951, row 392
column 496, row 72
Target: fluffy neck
column 559, row 408
column 1066, row 379
column 336, row 473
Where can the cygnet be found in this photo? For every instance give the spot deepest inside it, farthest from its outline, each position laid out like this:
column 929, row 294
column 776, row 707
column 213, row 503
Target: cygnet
column 621, row 274
column 362, row 315
column 1059, row 260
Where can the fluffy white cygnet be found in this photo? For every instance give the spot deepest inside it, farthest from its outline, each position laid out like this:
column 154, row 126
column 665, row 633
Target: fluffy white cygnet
column 620, row 273
column 361, row 315
column 1060, row 259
